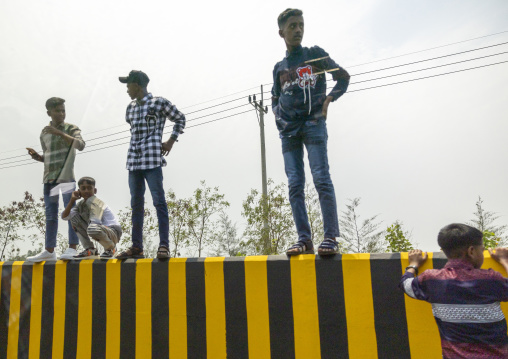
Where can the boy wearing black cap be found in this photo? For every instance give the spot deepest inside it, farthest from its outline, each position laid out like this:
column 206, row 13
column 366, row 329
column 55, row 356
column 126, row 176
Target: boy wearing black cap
column 465, row 299
column 59, row 141
column 147, row 116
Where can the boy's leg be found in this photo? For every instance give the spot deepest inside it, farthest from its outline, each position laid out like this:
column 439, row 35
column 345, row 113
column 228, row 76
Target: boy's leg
column 137, row 189
column 292, row 150
column 73, row 238
column 154, row 179
column 316, row 138
column 80, row 227
column 104, row 235
column 51, row 208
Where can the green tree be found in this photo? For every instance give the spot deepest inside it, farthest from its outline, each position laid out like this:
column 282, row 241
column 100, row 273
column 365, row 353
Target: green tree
column 9, row 225
column 202, row 209
column 490, row 240
column 359, row 236
column 484, row 221
column 178, row 229
column 21, row 222
column 398, row 240
column 225, row 240
column 279, row 217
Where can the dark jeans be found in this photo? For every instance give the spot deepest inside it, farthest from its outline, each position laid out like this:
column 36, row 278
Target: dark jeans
column 153, row 178
column 314, row 136
column 51, row 203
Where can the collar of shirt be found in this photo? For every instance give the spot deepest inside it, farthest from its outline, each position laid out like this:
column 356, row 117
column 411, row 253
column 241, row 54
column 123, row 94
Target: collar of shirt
column 296, row 51
column 458, row 263
column 141, row 102
column 58, row 127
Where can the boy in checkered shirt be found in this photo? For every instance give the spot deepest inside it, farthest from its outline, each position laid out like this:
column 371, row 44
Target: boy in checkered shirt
column 147, row 115
column 59, row 141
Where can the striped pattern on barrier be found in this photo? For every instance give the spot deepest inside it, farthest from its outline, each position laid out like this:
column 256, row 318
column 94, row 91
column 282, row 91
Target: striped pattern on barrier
column 242, row 307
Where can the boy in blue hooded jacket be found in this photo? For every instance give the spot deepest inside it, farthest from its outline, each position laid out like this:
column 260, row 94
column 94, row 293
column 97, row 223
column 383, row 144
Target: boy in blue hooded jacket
column 300, row 105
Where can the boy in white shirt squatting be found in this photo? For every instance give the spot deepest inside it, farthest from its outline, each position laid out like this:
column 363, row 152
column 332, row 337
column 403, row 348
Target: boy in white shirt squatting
column 92, row 218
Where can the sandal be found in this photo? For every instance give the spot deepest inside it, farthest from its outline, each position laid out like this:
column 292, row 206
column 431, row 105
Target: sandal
column 132, row 252
column 163, row 252
column 328, row 247
column 300, row 247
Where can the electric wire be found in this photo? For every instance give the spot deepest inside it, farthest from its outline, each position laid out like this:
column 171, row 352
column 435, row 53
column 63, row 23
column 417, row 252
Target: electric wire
column 358, row 74
column 430, row 76
column 128, row 130
column 433, row 58
column 428, row 68
column 235, row 93
column 268, row 92
column 429, row 49
column 125, row 143
column 350, row 91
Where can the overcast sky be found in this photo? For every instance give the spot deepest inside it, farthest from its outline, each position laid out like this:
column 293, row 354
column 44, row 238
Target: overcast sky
column 420, row 152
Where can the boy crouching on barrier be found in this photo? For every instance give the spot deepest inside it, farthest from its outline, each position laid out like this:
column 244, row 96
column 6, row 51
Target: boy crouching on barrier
column 465, row 299
column 92, row 218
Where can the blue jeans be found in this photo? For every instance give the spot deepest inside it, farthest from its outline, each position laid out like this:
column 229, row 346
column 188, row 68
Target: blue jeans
column 137, row 187
column 51, row 204
column 314, row 136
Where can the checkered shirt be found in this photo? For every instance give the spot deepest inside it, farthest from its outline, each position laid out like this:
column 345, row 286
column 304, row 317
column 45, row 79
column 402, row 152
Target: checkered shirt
column 59, row 155
column 147, row 118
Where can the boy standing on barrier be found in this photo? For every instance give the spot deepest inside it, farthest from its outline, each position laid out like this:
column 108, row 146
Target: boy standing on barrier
column 59, row 141
column 92, row 218
column 300, row 106
column 465, row 299
column 147, row 116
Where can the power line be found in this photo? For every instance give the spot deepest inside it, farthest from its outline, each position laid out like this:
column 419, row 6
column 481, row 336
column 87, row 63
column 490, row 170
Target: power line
column 204, row 116
column 218, row 98
column 432, row 48
column 367, row 88
column 434, row 58
column 127, row 130
column 240, row 98
column 215, row 113
column 237, row 99
column 430, row 76
column 124, row 143
column 428, row 68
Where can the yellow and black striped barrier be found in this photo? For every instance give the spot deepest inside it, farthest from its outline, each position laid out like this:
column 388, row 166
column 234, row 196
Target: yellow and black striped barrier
column 241, row 307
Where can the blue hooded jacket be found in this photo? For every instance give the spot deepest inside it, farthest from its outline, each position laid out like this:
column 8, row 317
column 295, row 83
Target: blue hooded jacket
column 299, row 87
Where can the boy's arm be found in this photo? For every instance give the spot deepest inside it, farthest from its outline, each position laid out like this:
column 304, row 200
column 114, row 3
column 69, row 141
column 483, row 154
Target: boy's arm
column 341, row 77
column 172, row 113
column 75, row 138
column 500, row 256
column 416, row 259
column 67, row 211
column 409, row 283
column 35, row 155
column 275, row 91
column 339, row 74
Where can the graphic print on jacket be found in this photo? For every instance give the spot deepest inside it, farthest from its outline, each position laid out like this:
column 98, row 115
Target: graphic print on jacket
column 305, row 77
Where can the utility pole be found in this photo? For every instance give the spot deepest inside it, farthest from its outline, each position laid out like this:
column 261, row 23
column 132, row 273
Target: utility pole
column 262, row 111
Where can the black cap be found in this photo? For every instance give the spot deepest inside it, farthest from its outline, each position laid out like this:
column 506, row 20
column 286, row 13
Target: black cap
column 138, row 77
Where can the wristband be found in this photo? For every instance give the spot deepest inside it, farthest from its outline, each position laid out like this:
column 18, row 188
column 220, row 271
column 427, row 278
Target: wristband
column 414, row 267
